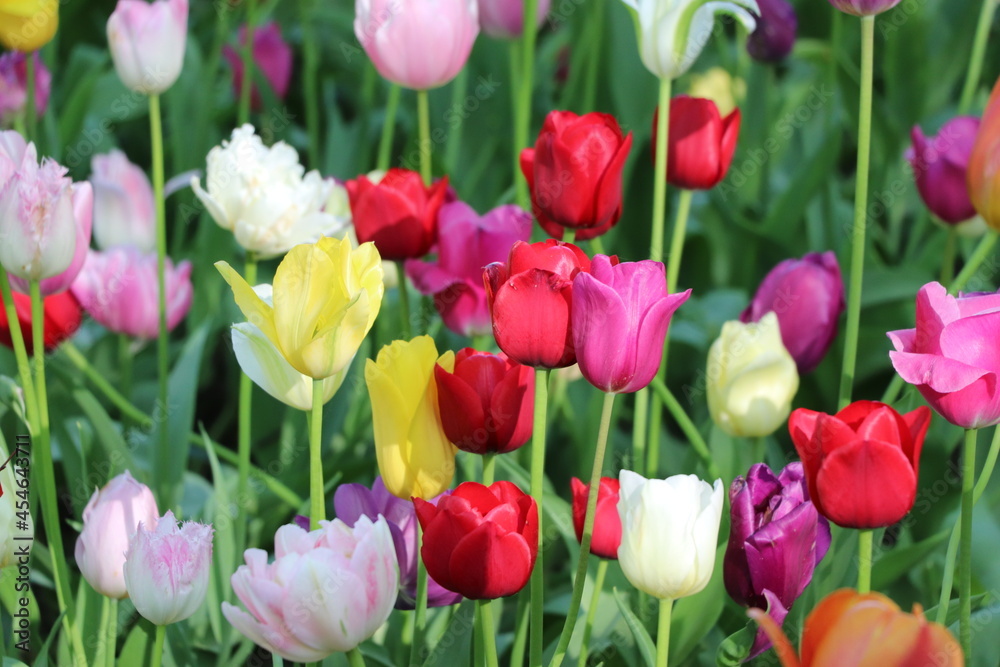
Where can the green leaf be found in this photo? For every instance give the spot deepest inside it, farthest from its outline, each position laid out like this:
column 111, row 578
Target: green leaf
column 642, row 638
column 736, row 647
column 454, row 646
column 899, row 561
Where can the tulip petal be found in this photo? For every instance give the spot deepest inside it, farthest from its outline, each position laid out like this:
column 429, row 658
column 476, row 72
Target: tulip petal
column 488, row 563
column 254, row 308
column 511, row 408
column 462, row 416
column 972, row 341
column 941, row 374
column 866, row 484
column 600, row 330
column 531, row 319
column 441, row 536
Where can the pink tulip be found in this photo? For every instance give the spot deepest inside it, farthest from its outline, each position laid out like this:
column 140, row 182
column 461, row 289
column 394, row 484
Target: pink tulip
column 14, row 86
column 504, row 19
column 147, row 43
column 326, row 591
column 118, row 288
column 271, row 55
column 620, row 317
column 467, row 242
column 124, row 212
column 110, row 520
column 419, row 44
column 167, row 568
column 939, row 166
column 951, row 357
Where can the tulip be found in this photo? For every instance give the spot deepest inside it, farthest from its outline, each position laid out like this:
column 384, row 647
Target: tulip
column 110, row 520
column 327, row 590
column 261, row 195
column 28, row 25
column 480, row 541
column 939, row 167
column 503, row 19
column 751, row 378
column 398, row 213
column 14, row 86
column 607, row 524
column 147, row 43
column 326, row 297
column 720, row 86
column 672, row 33
column 17, row 529
column 669, row 533
column 619, row 321
column 351, row 502
column 983, row 173
column 864, row 7
column 467, row 243
column 166, row 569
column 776, row 541
column 773, row 38
column 951, row 355
column 418, row 44
column 574, row 173
column 62, row 316
column 861, row 463
column 700, row 144
column 271, row 55
column 413, row 452
column 867, row 630
column 807, row 295
column 486, row 402
column 124, row 212
column 530, row 299
column 118, row 288
column 339, row 206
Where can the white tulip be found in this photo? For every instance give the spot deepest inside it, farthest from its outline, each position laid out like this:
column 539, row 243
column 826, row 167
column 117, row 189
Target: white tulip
column 670, row 530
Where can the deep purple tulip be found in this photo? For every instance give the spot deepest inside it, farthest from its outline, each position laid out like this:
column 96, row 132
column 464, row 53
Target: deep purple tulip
column 773, row 38
column 620, row 317
column 939, row 166
column 466, row 243
column 864, row 7
column 352, row 501
column 807, row 295
column 776, row 541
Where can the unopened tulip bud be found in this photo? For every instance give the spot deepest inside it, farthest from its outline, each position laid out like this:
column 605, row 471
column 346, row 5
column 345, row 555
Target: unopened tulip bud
column 147, row 43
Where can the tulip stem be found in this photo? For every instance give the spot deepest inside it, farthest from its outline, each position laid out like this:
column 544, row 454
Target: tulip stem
column 860, row 205
column 864, row 561
column 420, row 607
column 100, row 658
column 125, row 368
column 663, row 633
column 246, row 85
column 244, row 419
column 161, row 633
column 317, row 506
column 31, row 113
column 424, row 122
column 948, row 256
column 388, row 128
column 489, row 632
column 677, row 241
column 522, row 121
column 404, row 301
column 112, row 639
column 976, row 59
column 595, row 597
column 354, row 658
column 489, row 468
column 759, row 449
column 975, row 262
column 156, row 136
column 965, row 556
column 459, row 90
column 687, row 426
column 569, row 235
column 535, row 644
column 20, row 352
column 640, row 421
column 310, row 75
column 588, row 532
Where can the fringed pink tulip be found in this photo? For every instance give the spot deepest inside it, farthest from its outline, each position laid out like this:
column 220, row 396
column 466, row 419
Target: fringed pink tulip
column 271, row 55
column 124, row 212
column 147, row 42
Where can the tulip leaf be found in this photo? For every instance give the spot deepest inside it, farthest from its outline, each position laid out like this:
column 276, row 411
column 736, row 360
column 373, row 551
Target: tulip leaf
column 901, row 560
column 225, row 561
column 977, row 601
column 43, row 654
column 454, row 646
column 642, row 638
column 116, row 450
column 736, row 647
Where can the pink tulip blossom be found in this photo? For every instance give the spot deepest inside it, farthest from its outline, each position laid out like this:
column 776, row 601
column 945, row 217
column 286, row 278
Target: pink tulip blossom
column 14, row 86
column 271, row 56
column 504, row 19
column 124, row 211
column 147, row 42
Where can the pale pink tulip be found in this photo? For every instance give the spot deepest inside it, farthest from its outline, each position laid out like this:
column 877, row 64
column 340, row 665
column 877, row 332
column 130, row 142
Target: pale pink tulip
column 147, row 43
column 124, row 211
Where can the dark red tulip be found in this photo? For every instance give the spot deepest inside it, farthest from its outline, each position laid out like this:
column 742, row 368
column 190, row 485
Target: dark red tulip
column 701, row 143
column 607, row 524
column 63, row 317
column 481, row 541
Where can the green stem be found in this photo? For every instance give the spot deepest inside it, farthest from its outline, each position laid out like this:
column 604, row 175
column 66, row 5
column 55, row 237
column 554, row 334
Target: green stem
column 420, row 608
column 112, row 641
column 965, row 554
column 640, row 423
column 489, row 632
column 588, row 532
column 404, row 301
column 354, row 658
column 892, row 391
column 246, row 86
column 125, row 367
column 522, row 121
column 595, row 597
column 388, row 128
column 459, row 88
column 489, row 468
column 520, row 629
column 478, row 640
column 161, row 633
column 244, row 419
column 20, row 351
column 317, row 504
column 100, row 653
column 860, row 204
column 663, row 633
column 759, row 449
column 677, row 241
column 979, row 256
column 975, row 69
column 595, row 40
column 537, row 485
column 660, row 173
column 424, row 122
column 687, row 426
column 164, row 451
column 310, row 75
column 31, row 114
column 948, row 257
column 864, row 561
column 569, row 235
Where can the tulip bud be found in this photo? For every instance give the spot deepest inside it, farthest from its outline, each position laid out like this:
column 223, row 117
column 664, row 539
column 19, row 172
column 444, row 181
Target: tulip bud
column 700, row 144
column 124, row 212
column 271, row 56
column 864, row 7
column 17, row 529
column 28, row 25
column 14, row 86
column 751, row 378
column 503, row 19
column 110, row 520
column 607, row 534
column 773, row 38
column 939, row 166
column 62, row 316
column 167, row 568
column 147, row 43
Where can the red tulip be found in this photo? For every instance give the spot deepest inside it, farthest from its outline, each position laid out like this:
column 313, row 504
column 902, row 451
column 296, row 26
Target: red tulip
column 62, row 317
column 397, row 213
column 486, row 403
column 480, row 541
column 574, row 173
column 861, row 464
column 607, row 524
column 701, row 143
column 530, row 300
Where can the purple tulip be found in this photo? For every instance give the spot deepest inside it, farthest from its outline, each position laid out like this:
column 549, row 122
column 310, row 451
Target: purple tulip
column 352, row 501
column 807, row 295
column 939, row 165
column 773, row 38
column 14, row 86
column 864, row 7
column 620, row 317
column 776, row 541
column 271, row 54
column 466, row 243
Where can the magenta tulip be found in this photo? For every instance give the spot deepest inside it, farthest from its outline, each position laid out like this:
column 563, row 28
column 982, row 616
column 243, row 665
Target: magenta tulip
column 504, row 19
column 620, row 317
column 864, row 7
column 939, row 166
column 14, row 86
column 951, row 357
column 271, row 55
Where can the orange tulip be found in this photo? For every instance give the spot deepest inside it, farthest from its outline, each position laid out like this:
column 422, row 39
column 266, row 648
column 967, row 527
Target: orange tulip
column 864, row 630
column 983, row 173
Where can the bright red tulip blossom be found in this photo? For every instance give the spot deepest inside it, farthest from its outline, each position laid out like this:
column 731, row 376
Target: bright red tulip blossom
column 62, row 317
column 607, row 534
column 701, row 142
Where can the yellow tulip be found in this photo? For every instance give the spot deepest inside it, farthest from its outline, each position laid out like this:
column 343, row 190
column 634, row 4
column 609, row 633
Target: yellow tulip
column 718, row 85
column 28, row 25
column 414, row 456
column 326, row 297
